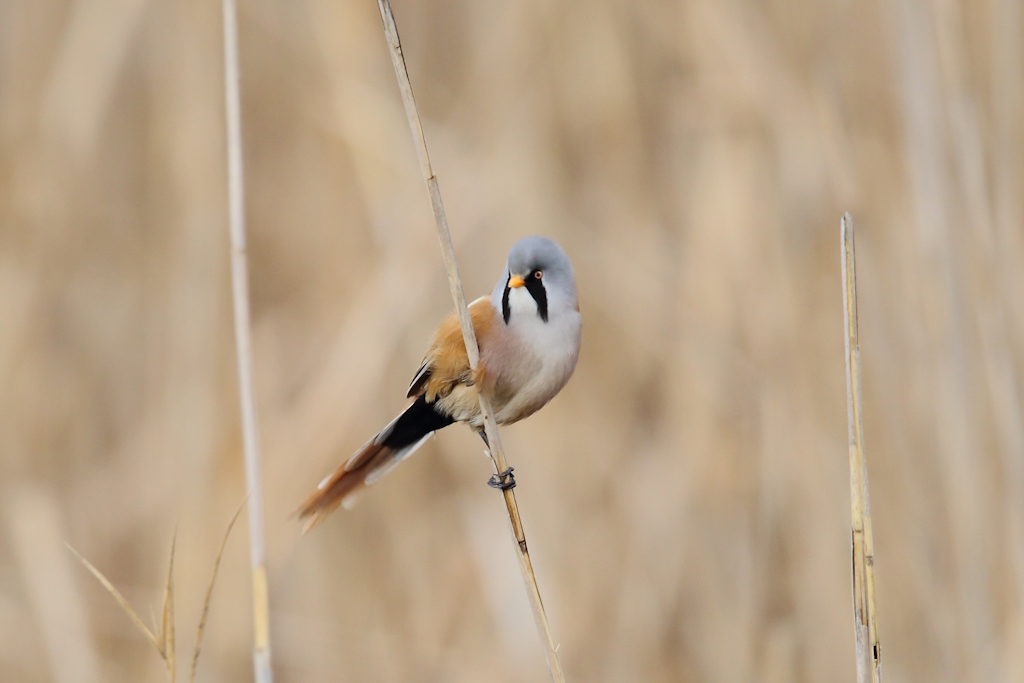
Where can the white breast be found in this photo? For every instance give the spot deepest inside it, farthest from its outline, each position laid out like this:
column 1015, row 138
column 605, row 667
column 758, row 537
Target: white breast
column 537, row 359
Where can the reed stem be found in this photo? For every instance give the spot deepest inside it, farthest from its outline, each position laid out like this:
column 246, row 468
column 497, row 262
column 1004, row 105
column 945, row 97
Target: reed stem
column 865, row 621
column 469, row 336
column 243, row 340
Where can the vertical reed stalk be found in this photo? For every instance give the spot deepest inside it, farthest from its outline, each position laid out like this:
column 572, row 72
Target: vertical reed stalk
column 240, row 291
column 469, row 335
column 865, row 622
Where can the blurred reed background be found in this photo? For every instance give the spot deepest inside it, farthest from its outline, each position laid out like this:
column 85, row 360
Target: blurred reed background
column 686, row 496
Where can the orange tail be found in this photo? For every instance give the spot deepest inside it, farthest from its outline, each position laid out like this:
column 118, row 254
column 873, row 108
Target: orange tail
column 342, row 485
column 395, row 443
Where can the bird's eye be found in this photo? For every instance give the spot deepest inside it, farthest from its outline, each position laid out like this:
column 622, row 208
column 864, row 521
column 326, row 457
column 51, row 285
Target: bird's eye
column 538, row 274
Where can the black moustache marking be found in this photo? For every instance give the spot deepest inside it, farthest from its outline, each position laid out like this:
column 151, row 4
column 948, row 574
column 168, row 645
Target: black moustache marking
column 505, row 310
column 535, row 286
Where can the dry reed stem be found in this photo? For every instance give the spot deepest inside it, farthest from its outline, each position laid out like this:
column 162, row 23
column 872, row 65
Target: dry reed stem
column 865, row 623
column 243, row 340
column 469, row 335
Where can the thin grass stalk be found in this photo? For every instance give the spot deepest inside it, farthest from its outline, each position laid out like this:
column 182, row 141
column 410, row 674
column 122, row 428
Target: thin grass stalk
column 243, row 340
column 865, row 621
column 469, row 335
column 167, row 634
column 121, row 601
column 201, row 627
column 162, row 636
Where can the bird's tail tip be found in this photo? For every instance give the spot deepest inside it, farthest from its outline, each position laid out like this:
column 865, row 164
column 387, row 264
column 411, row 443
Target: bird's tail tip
column 340, row 488
column 376, row 458
column 321, row 503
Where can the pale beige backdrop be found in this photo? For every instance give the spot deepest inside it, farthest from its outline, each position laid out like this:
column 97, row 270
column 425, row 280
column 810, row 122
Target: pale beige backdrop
column 686, row 497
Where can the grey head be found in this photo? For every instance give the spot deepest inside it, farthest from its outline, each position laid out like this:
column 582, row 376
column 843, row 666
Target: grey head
column 541, row 268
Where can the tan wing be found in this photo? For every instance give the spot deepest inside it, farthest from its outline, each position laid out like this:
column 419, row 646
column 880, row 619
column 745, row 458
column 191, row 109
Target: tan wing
column 446, row 364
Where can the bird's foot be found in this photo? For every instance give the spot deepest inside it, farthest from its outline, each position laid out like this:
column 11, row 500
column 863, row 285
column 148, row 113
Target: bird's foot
column 503, row 480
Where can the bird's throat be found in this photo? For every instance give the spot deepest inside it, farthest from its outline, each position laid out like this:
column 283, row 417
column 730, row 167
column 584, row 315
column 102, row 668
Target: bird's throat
column 539, row 304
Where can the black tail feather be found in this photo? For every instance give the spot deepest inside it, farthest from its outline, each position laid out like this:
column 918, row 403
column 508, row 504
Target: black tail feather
column 418, row 420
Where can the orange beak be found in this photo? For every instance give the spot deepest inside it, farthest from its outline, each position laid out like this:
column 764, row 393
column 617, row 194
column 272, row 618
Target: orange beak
column 516, row 282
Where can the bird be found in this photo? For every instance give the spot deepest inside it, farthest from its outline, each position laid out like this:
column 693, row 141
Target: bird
column 529, row 334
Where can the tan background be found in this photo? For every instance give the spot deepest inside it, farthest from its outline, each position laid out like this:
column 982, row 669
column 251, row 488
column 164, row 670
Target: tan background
column 686, row 496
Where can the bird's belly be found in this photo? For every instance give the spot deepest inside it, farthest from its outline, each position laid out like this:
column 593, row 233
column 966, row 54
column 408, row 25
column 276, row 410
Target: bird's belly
column 547, row 358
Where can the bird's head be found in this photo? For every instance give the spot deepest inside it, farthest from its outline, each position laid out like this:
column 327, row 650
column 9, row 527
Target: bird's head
column 538, row 280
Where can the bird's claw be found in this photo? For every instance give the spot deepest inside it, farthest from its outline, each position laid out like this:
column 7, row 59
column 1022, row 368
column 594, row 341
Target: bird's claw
column 503, row 480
